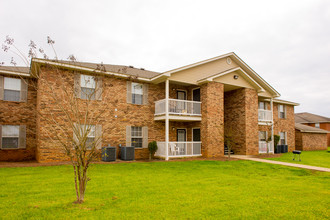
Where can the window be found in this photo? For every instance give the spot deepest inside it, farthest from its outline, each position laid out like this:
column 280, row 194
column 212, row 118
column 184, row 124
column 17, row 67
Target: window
column 281, row 111
column 87, row 84
column 262, row 135
column 10, row 136
column 12, row 89
column 262, row 105
column 317, row 125
column 282, row 138
column 136, row 136
column 137, row 93
column 91, row 136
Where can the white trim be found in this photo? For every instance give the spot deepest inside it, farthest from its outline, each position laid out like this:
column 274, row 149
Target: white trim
column 87, row 69
column 15, row 73
column 177, row 118
column 211, row 78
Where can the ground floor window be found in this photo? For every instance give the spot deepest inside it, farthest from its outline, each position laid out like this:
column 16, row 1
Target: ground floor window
column 262, row 135
column 136, row 137
column 10, row 137
column 282, row 138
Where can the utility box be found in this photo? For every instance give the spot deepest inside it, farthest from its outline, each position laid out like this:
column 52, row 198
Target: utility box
column 127, row 153
column 109, row 154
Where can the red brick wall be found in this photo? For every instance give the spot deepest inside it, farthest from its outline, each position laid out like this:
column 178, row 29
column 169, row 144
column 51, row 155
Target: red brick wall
column 21, row 113
column 285, row 125
column 113, row 128
column 241, row 119
column 212, row 125
column 310, row 141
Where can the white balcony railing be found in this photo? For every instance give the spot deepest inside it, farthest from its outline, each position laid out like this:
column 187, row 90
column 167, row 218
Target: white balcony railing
column 266, row 148
column 178, row 107
column 179, row 149
column 264, row 115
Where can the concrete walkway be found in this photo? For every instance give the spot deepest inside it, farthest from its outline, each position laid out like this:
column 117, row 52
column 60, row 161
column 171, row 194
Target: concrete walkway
column 244, row 157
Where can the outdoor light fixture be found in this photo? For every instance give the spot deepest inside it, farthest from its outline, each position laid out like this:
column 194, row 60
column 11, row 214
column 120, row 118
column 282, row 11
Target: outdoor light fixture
column 235, row 76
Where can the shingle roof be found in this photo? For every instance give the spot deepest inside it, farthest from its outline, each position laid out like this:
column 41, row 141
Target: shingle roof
column 306, row 117
column 127, row 70
column 309, row 129
column 19, row 69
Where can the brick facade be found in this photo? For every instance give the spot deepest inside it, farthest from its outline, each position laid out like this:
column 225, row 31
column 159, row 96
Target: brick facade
column 212, row 125
column 21, row 113
column 241, row 119
column 310, row 141
column 285, row 125
column 222, row 112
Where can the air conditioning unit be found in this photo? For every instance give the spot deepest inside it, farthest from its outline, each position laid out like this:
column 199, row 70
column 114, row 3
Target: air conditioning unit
column 109, row 154
column 127, row 153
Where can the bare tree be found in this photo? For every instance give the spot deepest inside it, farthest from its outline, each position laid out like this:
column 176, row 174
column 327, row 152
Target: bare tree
column 71, row 122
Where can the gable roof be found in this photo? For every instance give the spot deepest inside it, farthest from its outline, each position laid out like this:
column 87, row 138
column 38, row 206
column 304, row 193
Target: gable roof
column 119, row 70
column 309, row 129
column 306, row 117
column 247, row 69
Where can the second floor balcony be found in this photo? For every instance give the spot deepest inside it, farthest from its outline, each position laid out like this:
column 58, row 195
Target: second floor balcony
column 264, row 115
column 179, row 110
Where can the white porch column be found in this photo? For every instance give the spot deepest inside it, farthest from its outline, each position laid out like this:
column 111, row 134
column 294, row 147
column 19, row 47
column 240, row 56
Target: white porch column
column 167, row 125
column 271, row 109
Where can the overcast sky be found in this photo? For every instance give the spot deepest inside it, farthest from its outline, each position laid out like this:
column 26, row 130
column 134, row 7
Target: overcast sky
column 286, row 42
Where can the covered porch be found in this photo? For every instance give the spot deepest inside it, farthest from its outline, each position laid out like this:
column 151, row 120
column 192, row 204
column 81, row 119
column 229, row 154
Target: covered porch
column 180, row 113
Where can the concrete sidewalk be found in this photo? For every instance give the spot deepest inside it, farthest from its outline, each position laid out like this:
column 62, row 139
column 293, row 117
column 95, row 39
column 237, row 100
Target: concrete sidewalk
column 244, row 157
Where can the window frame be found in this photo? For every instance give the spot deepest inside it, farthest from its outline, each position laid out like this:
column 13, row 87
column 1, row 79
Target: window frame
column 264, row 105
column 17, row 137
column 279, row 111
column 89, row 136
column 82, row 76
column 285, row 139
column 265, row 132
column 136, row 137
column 133, row 90
column 19, row 90
column 317, row 125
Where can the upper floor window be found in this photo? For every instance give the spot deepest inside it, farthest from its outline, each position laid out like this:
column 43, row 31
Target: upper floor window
column 137, row 93
column 12, row 89
column 10, row 136
column 262, row 105
column 87, row 84
column 282, row 138
column 281, row 111
column 317, row 125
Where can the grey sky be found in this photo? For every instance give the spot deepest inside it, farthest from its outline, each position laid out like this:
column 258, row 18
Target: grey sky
column 286, row 42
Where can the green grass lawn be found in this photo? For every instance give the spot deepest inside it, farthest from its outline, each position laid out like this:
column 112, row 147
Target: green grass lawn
column 167, row 190
column 313, row 158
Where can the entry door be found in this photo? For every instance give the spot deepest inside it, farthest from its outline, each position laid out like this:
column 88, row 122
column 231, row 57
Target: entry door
column 196, row 97
column 181, row 106
column 181, row 137
column 196, row 138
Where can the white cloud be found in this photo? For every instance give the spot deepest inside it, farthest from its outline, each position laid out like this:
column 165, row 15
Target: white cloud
column 286, row 42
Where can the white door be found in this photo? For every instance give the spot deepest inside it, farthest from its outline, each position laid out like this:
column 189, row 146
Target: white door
column 181, row 137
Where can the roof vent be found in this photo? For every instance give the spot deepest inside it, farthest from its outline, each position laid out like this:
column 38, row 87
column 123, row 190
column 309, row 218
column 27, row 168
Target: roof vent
column 131, row 66
column 141, row 68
